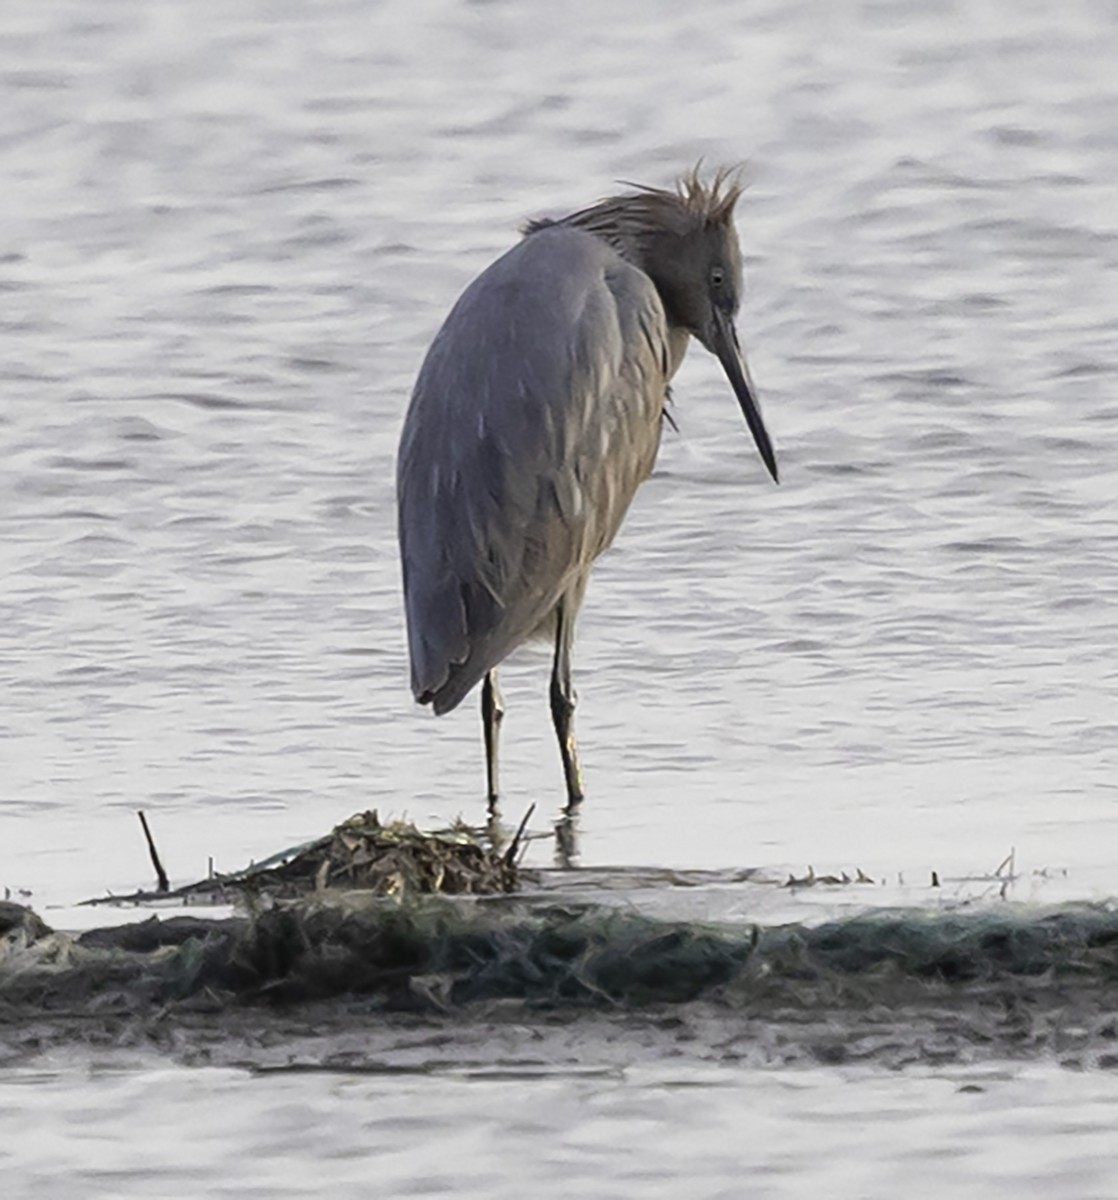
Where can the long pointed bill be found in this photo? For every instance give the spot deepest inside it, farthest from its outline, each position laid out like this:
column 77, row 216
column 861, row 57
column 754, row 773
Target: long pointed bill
column 733, row 363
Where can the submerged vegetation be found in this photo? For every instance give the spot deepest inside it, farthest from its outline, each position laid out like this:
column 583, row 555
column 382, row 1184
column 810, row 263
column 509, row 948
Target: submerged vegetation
column 428, row 951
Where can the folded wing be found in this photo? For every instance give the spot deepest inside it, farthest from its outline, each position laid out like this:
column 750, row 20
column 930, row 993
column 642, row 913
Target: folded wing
column 534, row 419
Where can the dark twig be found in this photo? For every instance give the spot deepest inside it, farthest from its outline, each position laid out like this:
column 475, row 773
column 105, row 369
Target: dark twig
column 514, row 845
column 164, row 884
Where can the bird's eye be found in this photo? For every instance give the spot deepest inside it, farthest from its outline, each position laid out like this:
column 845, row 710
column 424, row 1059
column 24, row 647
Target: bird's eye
column 717, row 277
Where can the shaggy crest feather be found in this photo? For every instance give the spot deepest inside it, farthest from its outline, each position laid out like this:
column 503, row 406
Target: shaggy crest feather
column 711, row 203
column 646, row 211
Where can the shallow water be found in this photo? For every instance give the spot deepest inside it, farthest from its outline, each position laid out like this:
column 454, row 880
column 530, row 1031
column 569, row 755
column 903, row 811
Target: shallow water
column 229, row 234
column 231, row 238
column 647, row 1130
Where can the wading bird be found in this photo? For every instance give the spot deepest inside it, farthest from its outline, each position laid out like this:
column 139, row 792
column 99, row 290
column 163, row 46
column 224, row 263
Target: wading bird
column 535, row 417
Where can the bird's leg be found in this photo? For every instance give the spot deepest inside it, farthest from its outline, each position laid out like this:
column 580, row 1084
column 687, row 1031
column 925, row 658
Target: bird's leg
column 492, row 713
column 563, row 706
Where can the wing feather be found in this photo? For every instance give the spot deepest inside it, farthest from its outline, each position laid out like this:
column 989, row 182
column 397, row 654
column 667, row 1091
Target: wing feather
column 535, row 417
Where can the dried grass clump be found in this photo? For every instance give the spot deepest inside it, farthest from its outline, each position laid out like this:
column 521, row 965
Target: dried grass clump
column 395, row 860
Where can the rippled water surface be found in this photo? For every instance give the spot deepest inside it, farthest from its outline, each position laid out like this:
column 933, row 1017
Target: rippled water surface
column 229, row 232
column 652, row 1132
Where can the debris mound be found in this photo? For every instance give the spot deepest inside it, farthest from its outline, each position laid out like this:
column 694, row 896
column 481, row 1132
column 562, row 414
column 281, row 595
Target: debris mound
column 396, row 860
column 364, row 854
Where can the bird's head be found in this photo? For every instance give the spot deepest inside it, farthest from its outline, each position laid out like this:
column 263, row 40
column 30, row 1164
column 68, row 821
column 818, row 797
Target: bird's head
column 685, row 241
column 695, row 262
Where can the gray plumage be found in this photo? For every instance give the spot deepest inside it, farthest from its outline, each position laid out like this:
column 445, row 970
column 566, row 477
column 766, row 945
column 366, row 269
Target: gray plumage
column 534, row 419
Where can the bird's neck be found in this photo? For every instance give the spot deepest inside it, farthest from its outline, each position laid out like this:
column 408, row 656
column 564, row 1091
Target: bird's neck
column 678, row 338
column 630, row 225
column 623, row 222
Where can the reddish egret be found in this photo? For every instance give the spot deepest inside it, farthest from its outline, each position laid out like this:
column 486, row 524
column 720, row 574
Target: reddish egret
column 536, row 416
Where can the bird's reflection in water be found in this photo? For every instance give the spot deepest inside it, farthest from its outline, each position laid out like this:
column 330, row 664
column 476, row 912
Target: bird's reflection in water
column 566, row 838
column 565, row 834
